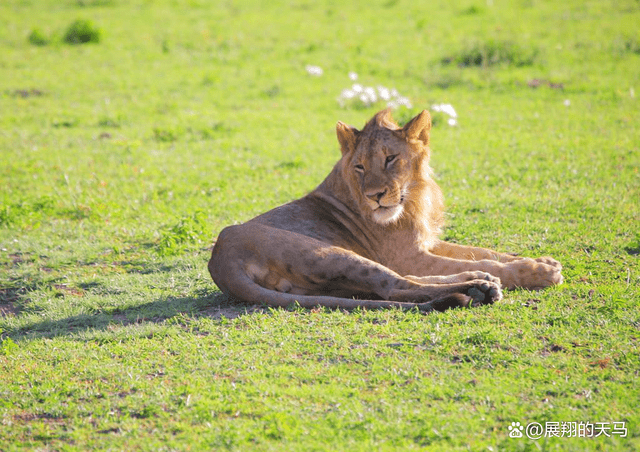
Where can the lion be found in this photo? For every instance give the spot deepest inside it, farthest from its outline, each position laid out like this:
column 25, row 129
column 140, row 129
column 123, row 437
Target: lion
column 367, row 237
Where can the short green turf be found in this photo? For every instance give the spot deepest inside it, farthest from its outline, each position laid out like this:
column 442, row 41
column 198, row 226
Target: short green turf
column 131, row 133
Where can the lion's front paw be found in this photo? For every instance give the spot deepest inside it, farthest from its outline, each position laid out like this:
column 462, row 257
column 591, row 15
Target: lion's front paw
column 484, row 292
column 533, row 274
column 549, row 261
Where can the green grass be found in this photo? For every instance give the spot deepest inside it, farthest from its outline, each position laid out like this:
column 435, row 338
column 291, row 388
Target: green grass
column 81, row 32
column 121, row 160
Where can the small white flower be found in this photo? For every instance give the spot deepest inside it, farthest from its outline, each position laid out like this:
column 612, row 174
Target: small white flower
column 445, row 108
column 384, row 93
column 314, row 70
column 567, row 102
column 347, row 94
column 403, row 101
column 448, row 109
column 371, row 94
column 452, row 121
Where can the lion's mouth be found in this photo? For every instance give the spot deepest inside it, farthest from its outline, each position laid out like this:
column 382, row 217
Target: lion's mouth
column 394, row 206
column 385, row 215
column 384, row 212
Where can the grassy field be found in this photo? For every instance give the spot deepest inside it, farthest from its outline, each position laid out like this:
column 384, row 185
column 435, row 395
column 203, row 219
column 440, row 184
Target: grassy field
column 122, row 157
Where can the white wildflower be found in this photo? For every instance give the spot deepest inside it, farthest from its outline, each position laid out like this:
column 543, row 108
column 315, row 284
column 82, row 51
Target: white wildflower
column 371, row 94
column 314, row 70
column 446, row 108
column 404, row 101
column 368, row 95
column 567, row 102
column 384, row 93
column 347, row 94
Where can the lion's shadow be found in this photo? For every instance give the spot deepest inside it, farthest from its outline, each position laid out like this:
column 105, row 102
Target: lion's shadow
column 210, row 304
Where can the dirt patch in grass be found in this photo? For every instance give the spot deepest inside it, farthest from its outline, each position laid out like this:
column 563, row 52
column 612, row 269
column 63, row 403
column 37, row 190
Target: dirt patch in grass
column 8, row 297
column 536, row 83
column 231, row 312
column 8, row 309
column 45, row 417
column 24, row 93
column 69, row 290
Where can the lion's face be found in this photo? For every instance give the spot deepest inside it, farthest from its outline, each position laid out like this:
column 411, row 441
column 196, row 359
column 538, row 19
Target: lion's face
column 385, row 166
column 382, row 173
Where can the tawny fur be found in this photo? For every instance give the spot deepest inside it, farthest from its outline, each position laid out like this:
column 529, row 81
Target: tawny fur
column 368, row 236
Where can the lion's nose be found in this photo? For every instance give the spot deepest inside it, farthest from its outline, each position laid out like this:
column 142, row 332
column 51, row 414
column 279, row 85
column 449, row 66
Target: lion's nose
column 376, row 195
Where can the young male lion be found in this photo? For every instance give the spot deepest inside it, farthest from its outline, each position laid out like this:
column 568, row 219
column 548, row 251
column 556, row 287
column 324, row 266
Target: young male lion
column 368, row 236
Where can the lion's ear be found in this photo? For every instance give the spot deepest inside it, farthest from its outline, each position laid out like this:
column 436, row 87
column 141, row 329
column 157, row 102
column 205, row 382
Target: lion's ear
column 418, row 127
column 346, row 137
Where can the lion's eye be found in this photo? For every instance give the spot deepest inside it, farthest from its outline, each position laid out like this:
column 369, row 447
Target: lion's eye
column 389, row 159
column 359, row 168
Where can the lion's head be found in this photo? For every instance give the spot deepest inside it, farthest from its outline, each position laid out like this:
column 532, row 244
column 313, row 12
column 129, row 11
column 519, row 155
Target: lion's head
column 386, row 168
